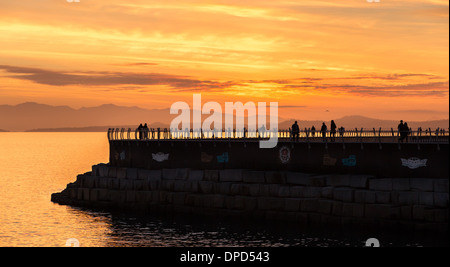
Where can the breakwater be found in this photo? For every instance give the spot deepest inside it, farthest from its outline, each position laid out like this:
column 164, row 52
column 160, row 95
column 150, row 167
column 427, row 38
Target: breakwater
column 362, row 200
column 385, row 185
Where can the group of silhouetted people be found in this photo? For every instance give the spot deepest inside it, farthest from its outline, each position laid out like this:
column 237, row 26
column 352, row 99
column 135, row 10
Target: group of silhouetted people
column 439, row 131
column 143, row 131
column 295, row 131
column 333, row 128
column 403, row 130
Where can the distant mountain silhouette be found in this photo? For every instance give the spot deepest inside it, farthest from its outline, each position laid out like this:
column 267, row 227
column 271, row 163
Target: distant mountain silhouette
column 31, row 115
column 3, row 130
column 79, row 129
column 96, row 128
column 35, row 117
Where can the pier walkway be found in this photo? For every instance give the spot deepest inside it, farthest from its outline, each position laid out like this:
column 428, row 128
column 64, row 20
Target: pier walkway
column 438, row 136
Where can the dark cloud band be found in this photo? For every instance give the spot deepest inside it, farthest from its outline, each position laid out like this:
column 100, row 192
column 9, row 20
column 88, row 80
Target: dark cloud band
column 429, row 85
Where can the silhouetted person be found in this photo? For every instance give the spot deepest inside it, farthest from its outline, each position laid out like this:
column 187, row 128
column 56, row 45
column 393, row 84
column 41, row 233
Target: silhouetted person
column 323, row 129
column 341, row 131
column 262, row 131
column 400, row 128
column 140, row 128
column 407, row 131
column 403, row 130
column 333, row 130
column 145, row 130
column 313, row 131
column 295, row 131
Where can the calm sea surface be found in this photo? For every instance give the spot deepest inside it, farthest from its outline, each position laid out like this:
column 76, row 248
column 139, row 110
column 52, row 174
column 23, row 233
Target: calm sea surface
column 35, row 165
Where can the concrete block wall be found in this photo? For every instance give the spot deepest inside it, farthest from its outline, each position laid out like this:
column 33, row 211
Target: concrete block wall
column 290, row 196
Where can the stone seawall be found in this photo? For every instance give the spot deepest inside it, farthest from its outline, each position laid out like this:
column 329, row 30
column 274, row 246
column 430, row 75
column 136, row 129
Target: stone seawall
column 352, row 200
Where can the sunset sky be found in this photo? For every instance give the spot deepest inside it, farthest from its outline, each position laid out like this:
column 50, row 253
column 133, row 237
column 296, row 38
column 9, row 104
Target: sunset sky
column 317, row 59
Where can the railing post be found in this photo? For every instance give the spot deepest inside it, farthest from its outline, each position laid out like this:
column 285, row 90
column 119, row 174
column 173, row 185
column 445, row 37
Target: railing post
column 379, row 135
column 379, row 138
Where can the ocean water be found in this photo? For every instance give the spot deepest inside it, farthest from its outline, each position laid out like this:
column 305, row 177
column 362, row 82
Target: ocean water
column 35, row 165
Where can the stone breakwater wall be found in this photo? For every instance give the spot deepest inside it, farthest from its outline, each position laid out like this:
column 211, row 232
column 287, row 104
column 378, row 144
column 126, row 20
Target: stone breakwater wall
column 412, row 203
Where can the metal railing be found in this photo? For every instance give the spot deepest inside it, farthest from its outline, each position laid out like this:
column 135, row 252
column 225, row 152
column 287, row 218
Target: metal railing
column 306, row 135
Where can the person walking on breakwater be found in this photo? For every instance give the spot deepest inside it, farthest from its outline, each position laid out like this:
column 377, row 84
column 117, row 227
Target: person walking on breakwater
column 406, row 131
column 145, row 130
column 295, row 131
column 403, row 130
column 324, row 131
column 399, row 130
column 341, row 131
column 333, row 131
column 140, row 130
column 313, row 131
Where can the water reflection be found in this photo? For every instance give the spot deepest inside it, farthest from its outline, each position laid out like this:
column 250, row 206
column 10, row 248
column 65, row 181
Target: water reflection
column 127, row 230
